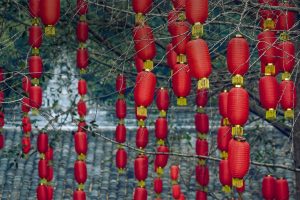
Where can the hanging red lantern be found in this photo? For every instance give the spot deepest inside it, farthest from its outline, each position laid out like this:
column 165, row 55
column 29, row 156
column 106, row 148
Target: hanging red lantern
column 26, row 84
column 82, row 59
column 238, row 56
column 288, row 98
column 144, row 91
column 80, row 171
column 139, row 64
column 174, row 172
column 202, row 175
column 201, row 150
column 182, row 197
column 201, row 195
column 26, row 128
column 286, row 19
column 140, row 117
column 197, row 14
column 1, row 74
column 42, row 143
column 26, row 144
column 141, row 168
column 35, row 67
column 121, row 133
column 81, row 108
column 269, row 95
column 202, row 123
column 50, row 172
column 162, row 101
column 198, row 58
column 179, row 4
column 25, row 105
column 79, row 195
column 121, row 159
column 82, row 87
column 181, row 82
column 223, row 138
column 82, row 126
column 34, row 8
column 176, row 191
column 158, row 185
column 144, row 45
column 286, row 58
column 180, row 38
column 238, row 109
column 2, row 139
column 142, row 137
column 161, row 129
column 140, row 194
column 223, row 105
column 82, row 31
column 1, row 97
column 171, row 56
column 202, row 98
column 121, row 84
column 161, row 159
column 50, row 13
column 225, row 176
column 268, row 16
column 49, row 153
column 2, row 119
column 239, row 160
column 142, row 6
column 42, row 168
column 121, row 108
column 35, row 37
column 268, row 187
column 41, row 192
column 82, row 7
column 50, row 191
column 25, row 122
column 282, row 189
column 80, row 140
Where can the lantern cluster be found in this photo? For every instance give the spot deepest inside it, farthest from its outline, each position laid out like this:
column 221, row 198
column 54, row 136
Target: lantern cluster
column 144, row 45
column 80, row 137
column 120, row 134
column 174, row 176
column 273, row 188
column 2, row 139
column 179, row 28
column 161, row 134
column 237, row 112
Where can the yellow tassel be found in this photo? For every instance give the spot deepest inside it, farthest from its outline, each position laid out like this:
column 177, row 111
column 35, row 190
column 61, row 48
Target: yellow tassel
column 35, row 21
column 181, row 58
column 148, row 65
column 43, row 181
column 238, row 80
column 181, row 16
column 160, row 142
column 238, row 183
column 80, row 186
column 141, row 184
column 162, row 113
column 203, row 83
column 285, row 76
column 121, row 171
column 82, row 18
column 284, row 36
column 289, row 114
column 160, row 171
column 82, row 71
column 271, row 114
column 269, row 24
column 139, row 19
column 141, row 123
column 270, row 69
column 202, row 136
column 226, row 122
column 50, row 30
column 35, row 111
column 200, row 109
column 81, row 157
column 181, row 101
column 35, row 81
column 35, row 51
column 42, row 156
column 201, row 161
column 224, row 155
column 237, row 130
column 226, row 189
column 121, row 121
column 141, row 111
column 197, row 30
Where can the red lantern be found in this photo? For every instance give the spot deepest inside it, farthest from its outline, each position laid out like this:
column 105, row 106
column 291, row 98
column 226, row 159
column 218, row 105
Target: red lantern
column 42, row 142
column 180, row 36
column 121, row 159
column 269, row 95
column 43, row 168
column 82, row 126
column 224, row 136
column 26, row 144
column 1, row 97
column 79, row 195
column 176, row 191
column 142, row 6
column 162, row 99
column 121, row 108
column 2, row 141
column 80, row 139
column 171, row 56
column 34, row 8
column 198, row 58
column 202, row 148
column 26, row 127
column 1, row 74
column 144, row 42
column 161, row 128
column 286, row 19
column 179, row 4
column 182, row 197
column 223, row 103
column 238, row 56
column 202, row 98
column 82, row 31
column 144, row 91
column 82, row 7
column 268, row 187
column 26, row 84
column 174, row 172
column 202, row 123
column 224, row 175
column 282, row 189
column 50, row 191
column 286, row 57
column 2, row 119
column 239, row 160
column 50, row 13
column 82, row 58
column 35, row 36
column 139, row 64
column 288, row 97
column 161, row 160
column 142, row 137
column 238, row 109
column 268, row 16
column 141, row 167
column 201, row 195
column 140, row 194
column 202, row 175
column 121, row 84
column 80, row 171
column 35, row 67
column 81, row 108
column 42, row 192
column 181, row 81
column 50, row 171
column 196, row 14
column 25, row 104
column 49, row 153
column 158, row 185
column 82, row 88
column 121, row 133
